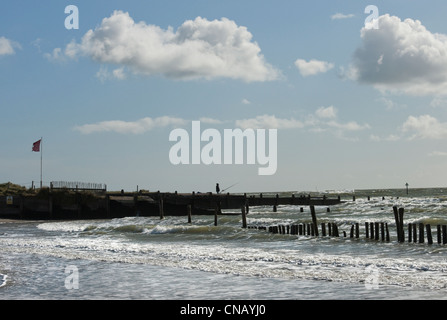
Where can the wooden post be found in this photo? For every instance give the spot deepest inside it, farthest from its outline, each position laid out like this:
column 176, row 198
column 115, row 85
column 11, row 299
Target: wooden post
column 398, row 215
column 357, row 230
column 382, row 231
column 438, row 228
column 429, row 237
column 329, row 225
column 410, row 227
column 387, row 232
column 323, row 229
column 371, row 226
column 274, row 208
column 336, row 230
column 244, row 217
column 215, row 217
column 401, row 221
column 366, row 230
column 188, row 208
column 314, row 219
column 161, row 209
column 351, row 235
column 444, row 234
column 421, row 232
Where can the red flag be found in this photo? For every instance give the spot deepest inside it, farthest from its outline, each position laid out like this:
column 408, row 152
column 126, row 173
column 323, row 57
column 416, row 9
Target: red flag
column 36, row 146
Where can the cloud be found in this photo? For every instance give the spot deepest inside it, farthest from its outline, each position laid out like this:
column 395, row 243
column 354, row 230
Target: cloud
column 312, row 67
column 197, row 49
column 104, row 74
column 425, row 127
column 401, row 57
column 130, row 127
column 269, row 122
column 7, row 46
column 323, row 120
column 329, row 112
column 339, row 16
column 246, row 101
column 438, row 154
column 210, row 120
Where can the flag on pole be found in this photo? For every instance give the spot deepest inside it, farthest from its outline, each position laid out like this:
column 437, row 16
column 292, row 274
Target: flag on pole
column 36, row 146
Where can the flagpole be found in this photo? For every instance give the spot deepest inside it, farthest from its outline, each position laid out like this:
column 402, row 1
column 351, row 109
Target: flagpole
column 41, row 151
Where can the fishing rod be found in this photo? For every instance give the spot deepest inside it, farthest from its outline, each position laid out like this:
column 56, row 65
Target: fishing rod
column 230, row 187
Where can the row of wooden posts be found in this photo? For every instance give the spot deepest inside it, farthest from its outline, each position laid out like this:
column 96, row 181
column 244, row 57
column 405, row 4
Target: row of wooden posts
column 373, row 230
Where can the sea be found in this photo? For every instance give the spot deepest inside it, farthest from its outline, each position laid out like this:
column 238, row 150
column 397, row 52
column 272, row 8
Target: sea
column 148, row 258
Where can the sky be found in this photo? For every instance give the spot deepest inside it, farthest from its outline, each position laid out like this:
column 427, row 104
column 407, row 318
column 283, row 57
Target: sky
column 355, row 92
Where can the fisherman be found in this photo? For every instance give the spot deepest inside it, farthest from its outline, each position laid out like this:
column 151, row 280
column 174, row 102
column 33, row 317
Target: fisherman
column 217, row 188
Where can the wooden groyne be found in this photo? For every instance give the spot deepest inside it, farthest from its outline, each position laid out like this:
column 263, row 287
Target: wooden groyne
column 73, row 204
column 377, row 231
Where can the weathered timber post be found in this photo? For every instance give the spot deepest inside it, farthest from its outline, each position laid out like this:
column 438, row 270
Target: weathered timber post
column 357, row 231
column 444, row 234
column 314, row 219
column 244, row 217
column 371, row 226
column 382, row 230
column 160, row 207
column 387, row 232
column 329, row 226
column 366, row 230
column 410, row 226
column 438, row 233
column 336, row 230
column 376, row 227
column 429, row 237
column 351, row 234
column 188, row 208
column 274, row 208
column 421, row 232
column 215, row 216
column 401, row 221
column 398, row 217
column 323, row 229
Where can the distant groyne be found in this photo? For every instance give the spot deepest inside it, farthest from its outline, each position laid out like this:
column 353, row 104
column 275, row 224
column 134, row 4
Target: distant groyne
column 68, row 204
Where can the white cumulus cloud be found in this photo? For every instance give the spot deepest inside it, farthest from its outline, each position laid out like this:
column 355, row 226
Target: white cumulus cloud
column 130, row 127
column 425, row 127
column 197, row 49
column 312, row 67
column 401, row 56
column 7, row 46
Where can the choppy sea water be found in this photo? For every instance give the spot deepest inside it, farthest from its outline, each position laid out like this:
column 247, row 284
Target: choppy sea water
column 169, row 259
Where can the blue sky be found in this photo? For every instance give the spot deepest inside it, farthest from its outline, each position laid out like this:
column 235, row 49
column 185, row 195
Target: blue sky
column 354, row 107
